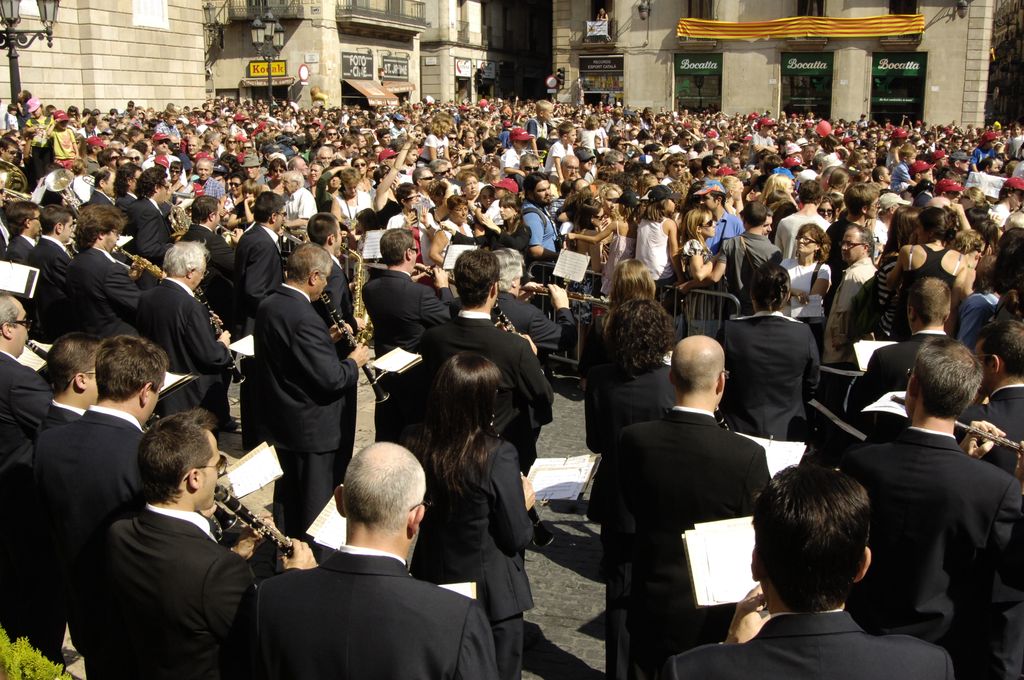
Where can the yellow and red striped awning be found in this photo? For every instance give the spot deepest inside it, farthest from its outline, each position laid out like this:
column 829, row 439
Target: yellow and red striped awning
column 803, row 27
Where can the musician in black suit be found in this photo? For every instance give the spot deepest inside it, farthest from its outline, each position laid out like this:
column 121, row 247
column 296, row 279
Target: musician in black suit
column 24, row 399
column 927, row 310
column 401, row 310
column 23, row 223
column 87, row 475
column 172, row 317
column 394, row 626
column 301, row 389
column 523, row 389
column 125, row 181
column 940, row 523
column 152, row 227
column 176, row 590
column 218, row 285
column 103, row 187
column 71, row 367
column 53, row 311
column 810, row 532
column 104, row 296
column 633, row 389
column 772, row 361
column 549, row 336
column 1000, row 349
column 675, row 472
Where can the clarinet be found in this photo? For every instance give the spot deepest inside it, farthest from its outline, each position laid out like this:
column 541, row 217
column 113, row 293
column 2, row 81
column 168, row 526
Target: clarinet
column 379, row 394
column 218, row 328
column 228, row 501
column 42, row 353
column 542, row 536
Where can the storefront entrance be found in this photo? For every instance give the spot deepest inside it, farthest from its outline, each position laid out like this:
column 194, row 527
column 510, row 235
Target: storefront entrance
column 698, row 82
column 601, row 79
column 897, row 86
column 807, row 83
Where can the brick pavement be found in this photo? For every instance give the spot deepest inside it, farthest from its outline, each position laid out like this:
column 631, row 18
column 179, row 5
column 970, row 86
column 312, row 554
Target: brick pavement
column 565, row 630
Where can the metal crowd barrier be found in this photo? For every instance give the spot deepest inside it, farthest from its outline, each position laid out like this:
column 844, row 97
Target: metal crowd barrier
column 702, row 311
column 543, row 273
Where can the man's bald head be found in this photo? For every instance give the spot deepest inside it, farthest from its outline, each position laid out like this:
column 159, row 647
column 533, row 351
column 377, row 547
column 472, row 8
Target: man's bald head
column 697, row 363
column 383, row 483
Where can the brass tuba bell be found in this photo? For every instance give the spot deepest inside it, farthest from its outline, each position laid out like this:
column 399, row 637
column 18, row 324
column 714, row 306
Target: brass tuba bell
column 14, row 181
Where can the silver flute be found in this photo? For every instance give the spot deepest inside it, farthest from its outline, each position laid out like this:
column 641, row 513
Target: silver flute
column 981, row 434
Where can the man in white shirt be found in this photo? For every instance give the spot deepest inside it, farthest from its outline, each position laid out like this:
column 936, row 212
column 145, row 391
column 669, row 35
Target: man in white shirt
column 810, row 194
column 560, row 149
column 299, row 202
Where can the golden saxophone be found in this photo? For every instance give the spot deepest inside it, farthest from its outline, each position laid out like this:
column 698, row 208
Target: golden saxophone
column 364, row 335
column 141, row 263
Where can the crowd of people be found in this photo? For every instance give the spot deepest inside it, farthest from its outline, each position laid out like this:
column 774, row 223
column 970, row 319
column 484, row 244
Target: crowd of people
column 163, row 237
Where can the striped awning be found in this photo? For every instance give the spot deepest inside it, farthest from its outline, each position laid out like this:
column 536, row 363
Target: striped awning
column 803, row 27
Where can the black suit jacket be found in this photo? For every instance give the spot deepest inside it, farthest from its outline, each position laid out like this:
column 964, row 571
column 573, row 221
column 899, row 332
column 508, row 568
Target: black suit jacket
column 88, row 476
column 299, row 379
column 180, row 324
column 53, row 307
column 152, row 231
column 258, row 271
column 57, row 416
column 19, row 249
column 773, row 366
column 104, row 298
column 678, row 471
column 99, row 198
column 482, row 539
column 940, row 522
column 813, row 646
column 341, row 304
column 887, row 372
column 364, row 617
column 24, row 400
column 548, row 335
column 123, row 203
column 178, row 593
column 220, row 273
column 614, row 401
column 1005, row 410
column 401, row 310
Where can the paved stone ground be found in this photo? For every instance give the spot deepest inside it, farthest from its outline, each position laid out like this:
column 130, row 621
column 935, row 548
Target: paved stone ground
column 565, row 630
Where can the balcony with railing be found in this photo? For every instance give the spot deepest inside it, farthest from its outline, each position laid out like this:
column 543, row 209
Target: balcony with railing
column 246, row 10
column 596, row 34
column 402, row 18
column 462, row 32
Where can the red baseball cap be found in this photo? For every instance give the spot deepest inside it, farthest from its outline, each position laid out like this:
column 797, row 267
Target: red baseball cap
column 60, row 115
column 725, row 170
column 160, row 137
column 789, row 162
column 162, row 160
column 1015, row 183
column 944, row 186
column 95, row 141
column 508, row 184
column 518, row 134
column 241, row 138
column 938, row 155
column 989, row 136
column 919, row 166
column 900, row 133
column 386, row 154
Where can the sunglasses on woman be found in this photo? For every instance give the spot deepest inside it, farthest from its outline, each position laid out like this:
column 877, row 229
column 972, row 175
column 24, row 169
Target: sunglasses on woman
column 826, row 212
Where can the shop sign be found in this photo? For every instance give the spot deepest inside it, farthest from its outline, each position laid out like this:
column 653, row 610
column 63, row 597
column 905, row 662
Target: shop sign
column 911, row 64
column 698, row 64
column 394, row 68
column 807, row 64
column 488, row 69
column 357, row 66
column 258, row 69
column 463, row 68
column 604, row 64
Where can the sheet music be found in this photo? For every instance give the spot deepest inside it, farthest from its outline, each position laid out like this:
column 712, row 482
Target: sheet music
column 329, row 527
column 780, row 454
column 886, row 404
column 371, row 244
column 836, row 420
column 467, row 589
column 18, row 279
column 246, row 346
column 397, row 361
column 122, row 241
column 864, row 349
column 562, row 478
column 718, row 554
column 31, row 359
column 812, row 310
column 254, row 470
column 990, row 185
column 175, row 379
column 571, row 265
column 452, row 254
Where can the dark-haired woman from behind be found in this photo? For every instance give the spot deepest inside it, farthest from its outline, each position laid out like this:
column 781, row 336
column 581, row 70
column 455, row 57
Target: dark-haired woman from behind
column 478, row 526
column 772, row 364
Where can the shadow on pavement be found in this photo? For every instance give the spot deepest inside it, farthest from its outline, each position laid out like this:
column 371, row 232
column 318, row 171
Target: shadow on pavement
column 545, row 659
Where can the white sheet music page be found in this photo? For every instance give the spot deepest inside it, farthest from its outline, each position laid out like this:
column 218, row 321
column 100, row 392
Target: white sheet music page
column 31, row 359
column 467, row 589
column 780, row 454
column 571, row 265
column 865, row 348
column 371, row 244
column 886, row 404
column 562, row 478
column 397, row 361
column 174, row 379
column 246, row 346
column 719, row 558
column 18, row 279
column 254, row 470
column 329, row 527
column 452, row 254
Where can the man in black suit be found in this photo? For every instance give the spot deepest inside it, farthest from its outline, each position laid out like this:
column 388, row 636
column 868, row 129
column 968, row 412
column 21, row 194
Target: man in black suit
column 940, row 523
column 102, row 293
column 394, row 626
column 678, row 471
column 103, row 187
column 152, row 227
column 172, row 317
column 927, row 310
column 125, row 181
column 548, row 336
column 23, row 222
column 302, row 385
column 810, row 532
column 523, row 390
column 176, row 590
column 401, row 310
column 220, row 273
column 1000, row 349
column 87, row 475
column 24, row 398
column 53, row 311
column 71, row 367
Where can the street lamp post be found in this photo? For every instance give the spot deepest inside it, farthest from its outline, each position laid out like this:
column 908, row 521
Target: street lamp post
column 268, row 39
column 12, row 39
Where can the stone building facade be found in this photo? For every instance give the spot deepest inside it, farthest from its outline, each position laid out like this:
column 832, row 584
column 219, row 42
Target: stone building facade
column 1006, row 79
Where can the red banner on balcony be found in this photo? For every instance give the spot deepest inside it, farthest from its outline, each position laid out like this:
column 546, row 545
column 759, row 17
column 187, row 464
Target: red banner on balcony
column 803, row 27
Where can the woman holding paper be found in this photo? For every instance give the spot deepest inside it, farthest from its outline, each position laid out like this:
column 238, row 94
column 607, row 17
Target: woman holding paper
column 477, row 527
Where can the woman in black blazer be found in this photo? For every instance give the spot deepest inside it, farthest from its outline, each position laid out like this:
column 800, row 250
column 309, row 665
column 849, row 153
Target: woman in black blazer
column 478, row 527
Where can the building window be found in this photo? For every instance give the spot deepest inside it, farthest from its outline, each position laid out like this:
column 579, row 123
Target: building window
column 810, row 8
column 150, row 13
column 700, row 9
column 902, row 6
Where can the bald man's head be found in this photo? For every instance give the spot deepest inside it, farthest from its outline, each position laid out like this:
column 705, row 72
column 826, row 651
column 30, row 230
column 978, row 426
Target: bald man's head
column 383, row 482
column 697, row 363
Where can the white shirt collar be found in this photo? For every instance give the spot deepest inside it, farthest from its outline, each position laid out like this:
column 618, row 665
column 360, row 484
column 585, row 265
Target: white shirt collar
column 9, row 354
column 191, row 517
column 930, row 332
column 687, row 409
column 29, row 239
column 127, row 417
column 474, row 315
column 935, row 432
column 155, row 204
column 68, row 407
column 273, row 235
column 369, row 552
column 107, row 255
column 302, row 293
column 50, row 238
column 183, row 286
column 334, row 259
column 1004, row 387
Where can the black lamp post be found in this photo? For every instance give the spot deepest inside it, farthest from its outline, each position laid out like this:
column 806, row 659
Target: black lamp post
column 268, row 39
column 12, row 39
